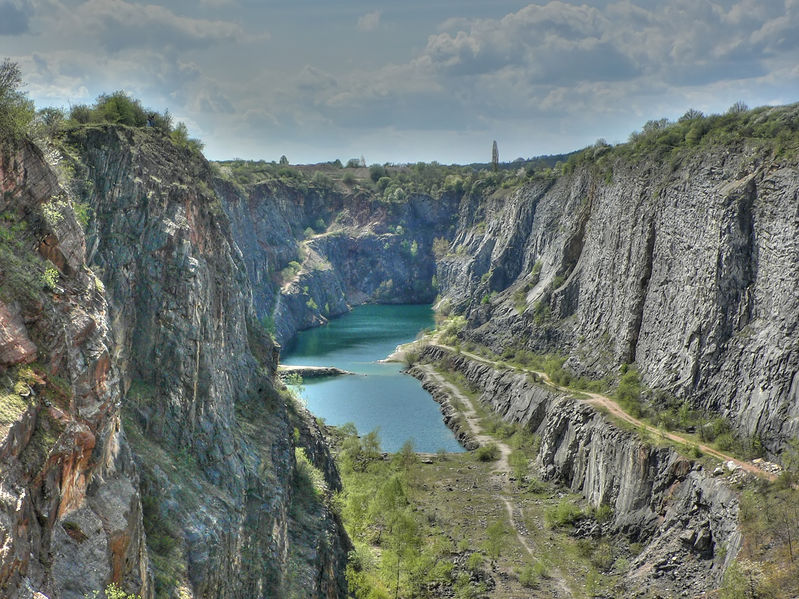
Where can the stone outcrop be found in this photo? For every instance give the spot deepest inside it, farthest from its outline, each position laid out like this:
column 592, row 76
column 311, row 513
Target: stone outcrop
column 212, row 431
column 15, row 345
column 686, row 520
column 148, row 442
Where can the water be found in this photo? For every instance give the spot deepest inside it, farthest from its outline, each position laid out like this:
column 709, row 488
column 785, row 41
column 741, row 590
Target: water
column 379, row 395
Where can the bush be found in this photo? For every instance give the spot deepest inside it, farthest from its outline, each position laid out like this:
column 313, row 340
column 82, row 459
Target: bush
column 376, row 172
column 180, row 137
column 496, row 533
column 81, row 114
column 119, row 108
column 604, row 513
column 475, row 562
column 629, row 391
column 563, row 514
column 527, row 577
column 488, row 453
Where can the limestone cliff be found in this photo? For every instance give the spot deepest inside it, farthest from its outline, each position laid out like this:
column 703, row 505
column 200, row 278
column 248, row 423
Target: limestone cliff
column 686, row 267
column 147, row 443
column 360, row 249
column 213, row 436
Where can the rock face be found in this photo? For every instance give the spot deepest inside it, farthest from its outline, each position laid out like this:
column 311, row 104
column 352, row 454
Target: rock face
column 688, row 270
column 147, row 442
column 212, row 434
column 360, row 249
column 70, row 511
column 686, row 519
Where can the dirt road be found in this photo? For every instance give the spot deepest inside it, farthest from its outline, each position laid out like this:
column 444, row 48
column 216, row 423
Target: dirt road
column 603, row 401
column 502, row 470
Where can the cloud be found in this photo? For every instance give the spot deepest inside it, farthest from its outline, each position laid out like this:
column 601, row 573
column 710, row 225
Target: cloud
column 15, row 17
column 369, row 22
column 684, row 41
column 555, row 72
column 118, row 25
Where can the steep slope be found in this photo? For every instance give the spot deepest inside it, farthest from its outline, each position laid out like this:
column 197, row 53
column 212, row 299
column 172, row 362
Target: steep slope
column 214, row 439
column 70, row 514
column 686, row 268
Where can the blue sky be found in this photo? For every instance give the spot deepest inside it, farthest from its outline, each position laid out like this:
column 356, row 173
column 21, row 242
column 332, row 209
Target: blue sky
column 405, row 81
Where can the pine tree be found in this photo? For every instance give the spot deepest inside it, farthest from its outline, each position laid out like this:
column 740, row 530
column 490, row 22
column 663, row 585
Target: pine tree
column 495, row 156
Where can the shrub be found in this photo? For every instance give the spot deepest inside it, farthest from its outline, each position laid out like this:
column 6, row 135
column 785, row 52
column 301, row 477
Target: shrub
column 80, row 113
column 496, row 533
column 119, row 108
column 377, row 172
column 602, row 558
column 488, row 453
column 527, row 577
column 604, row 513
column 50, row 278
column 629, row 390
column 563, row 514
column 180, row 137
column 475, row 562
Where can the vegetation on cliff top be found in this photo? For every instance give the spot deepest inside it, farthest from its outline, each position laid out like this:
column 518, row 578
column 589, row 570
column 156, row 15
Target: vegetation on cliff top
column 775, row 128
column 16, row 110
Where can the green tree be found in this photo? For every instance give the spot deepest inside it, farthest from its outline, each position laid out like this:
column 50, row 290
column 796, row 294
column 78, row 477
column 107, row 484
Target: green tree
column 377, row 172
column 494, row 156
column 16, row 110
column 744, row 580
column 119, row 108
column 496, row 533
column 180, row 137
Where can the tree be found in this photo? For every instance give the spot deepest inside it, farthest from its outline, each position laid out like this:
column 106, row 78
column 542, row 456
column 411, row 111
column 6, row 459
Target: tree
column 738, row 108
column 495, row 156
column 496, row 533
column 284, row 161
column 691, row 115
column 16, row 110
column 377, row 172
column 180, row 137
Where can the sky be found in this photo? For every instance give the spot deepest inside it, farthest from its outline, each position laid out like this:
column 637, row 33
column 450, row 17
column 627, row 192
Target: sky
column 317, row 80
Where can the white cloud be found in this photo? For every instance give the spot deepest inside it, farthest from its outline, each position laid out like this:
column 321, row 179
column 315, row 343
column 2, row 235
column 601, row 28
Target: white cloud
column 119, row 25
column 370, row 21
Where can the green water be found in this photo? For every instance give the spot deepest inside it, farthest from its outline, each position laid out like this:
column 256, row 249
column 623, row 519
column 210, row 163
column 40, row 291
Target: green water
column 379, row 396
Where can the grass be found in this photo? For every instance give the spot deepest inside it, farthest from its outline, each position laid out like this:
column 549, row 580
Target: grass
column 458, row 503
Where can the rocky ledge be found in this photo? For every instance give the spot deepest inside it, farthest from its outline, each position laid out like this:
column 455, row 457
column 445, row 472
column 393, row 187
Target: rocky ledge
column 310, row 372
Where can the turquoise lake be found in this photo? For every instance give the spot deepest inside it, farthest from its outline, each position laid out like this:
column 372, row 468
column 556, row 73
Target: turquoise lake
column 379, row 395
